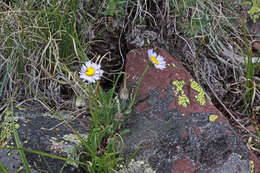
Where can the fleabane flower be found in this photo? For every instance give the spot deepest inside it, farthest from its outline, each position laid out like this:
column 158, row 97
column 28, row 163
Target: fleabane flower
column 90, row 72
column 157, row 60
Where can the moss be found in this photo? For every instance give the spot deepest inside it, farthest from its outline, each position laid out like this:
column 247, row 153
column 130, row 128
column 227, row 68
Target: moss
column 201, row 96
column 183, row 100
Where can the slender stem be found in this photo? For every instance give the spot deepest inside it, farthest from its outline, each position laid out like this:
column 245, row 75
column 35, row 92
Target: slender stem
column 97, row 89
column 138, row 86
column 125, row 76
column 92, row 100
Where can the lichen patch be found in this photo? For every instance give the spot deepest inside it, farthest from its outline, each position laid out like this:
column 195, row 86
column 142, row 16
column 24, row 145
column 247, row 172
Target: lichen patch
column 252, row 166
column 137, row 166
column 183, row 100
column 213, row 118
column 200, row 97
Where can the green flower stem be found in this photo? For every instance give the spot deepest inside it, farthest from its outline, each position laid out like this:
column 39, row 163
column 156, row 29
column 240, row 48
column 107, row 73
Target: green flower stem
column 92, row 100
column 125, row 76
column 138, row 86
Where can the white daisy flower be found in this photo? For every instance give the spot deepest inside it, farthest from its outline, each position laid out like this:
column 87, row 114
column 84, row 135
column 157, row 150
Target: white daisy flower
column 90, row 72
column 157, row 60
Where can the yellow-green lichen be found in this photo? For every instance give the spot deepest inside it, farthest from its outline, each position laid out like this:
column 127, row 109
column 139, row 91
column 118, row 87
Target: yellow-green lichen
column 252, row 166
column 213, row 118
column 201, row 96
column 183, row 100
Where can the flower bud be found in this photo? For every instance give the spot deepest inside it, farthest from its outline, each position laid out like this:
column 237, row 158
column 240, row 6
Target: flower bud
column 124, row 94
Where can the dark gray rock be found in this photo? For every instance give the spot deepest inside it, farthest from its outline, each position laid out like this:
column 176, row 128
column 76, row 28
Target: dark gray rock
column 44, row 132
column 209, row 147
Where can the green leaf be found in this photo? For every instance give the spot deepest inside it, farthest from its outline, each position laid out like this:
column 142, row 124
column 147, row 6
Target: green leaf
column 20, row 67
column 246, row 3
column 46, row 154
column 124, row 132
column 3, row 168
column 8, row 112
column 254, row 11
column 128, row 111
column 19, row 145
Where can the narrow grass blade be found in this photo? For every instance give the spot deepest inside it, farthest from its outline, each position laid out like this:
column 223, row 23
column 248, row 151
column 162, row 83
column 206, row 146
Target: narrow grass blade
column 18, row 144
column 47, row 155
column 3, row 168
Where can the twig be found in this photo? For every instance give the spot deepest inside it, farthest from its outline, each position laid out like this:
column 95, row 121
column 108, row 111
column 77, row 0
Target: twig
column 42, row 128
column 232, row 116
column 192, row 51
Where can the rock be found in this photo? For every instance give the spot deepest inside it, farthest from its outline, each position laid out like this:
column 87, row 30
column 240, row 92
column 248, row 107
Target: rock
column 10, row 159
column 256, row 45
column 47, row 133
column 175, row 128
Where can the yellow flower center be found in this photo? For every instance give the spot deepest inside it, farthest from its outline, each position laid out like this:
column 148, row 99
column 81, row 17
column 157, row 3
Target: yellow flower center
column 154, row 59
column 90, row 71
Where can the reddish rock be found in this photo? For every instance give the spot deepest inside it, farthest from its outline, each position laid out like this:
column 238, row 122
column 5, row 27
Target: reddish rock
column 183, row 136
column 256, row 45
column 162, row 80
column 183, row 166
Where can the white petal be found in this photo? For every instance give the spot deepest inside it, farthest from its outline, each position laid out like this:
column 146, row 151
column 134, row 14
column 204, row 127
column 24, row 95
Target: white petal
column 101, row 72
column 93, row 65
column 160, row 67
column 97, row 75
column 88, row 63
column 154, row 54
column 83, row 69
column 82, row 76
column 95, row 78
column 150, row 52
column 159, row 58
column 92, row 80
column 162, row 63
column 98, row 66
